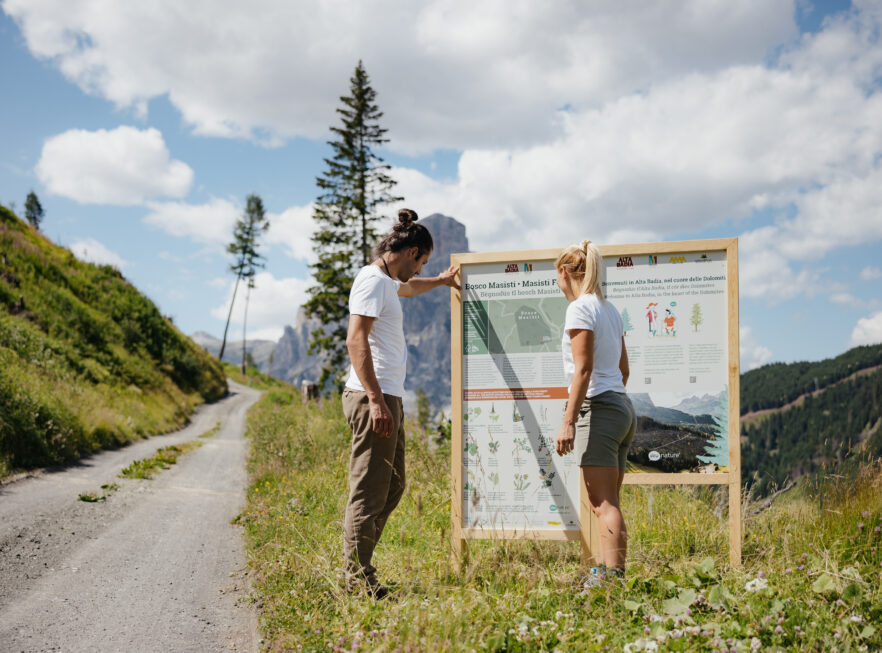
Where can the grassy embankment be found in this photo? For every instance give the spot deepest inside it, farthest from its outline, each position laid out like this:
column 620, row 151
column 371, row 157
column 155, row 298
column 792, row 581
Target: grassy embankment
column 810, row 578
column 86, row 361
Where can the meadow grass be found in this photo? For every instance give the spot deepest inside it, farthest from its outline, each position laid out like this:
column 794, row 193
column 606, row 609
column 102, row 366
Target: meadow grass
column 810, row 579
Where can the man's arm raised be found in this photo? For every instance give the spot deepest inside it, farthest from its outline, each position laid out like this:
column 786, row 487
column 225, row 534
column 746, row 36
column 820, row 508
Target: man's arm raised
column 363, row 362
column 417, row 285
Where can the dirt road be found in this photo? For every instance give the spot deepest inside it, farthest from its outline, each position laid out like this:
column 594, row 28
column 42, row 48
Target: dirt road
column 157, row 566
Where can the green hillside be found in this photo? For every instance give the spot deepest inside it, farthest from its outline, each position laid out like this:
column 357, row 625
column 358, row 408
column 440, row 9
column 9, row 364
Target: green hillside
column 777, row 384
column 838, row 424
column 86, row 361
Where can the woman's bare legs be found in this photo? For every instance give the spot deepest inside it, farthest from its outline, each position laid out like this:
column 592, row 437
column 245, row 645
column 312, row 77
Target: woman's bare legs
column 604, row 485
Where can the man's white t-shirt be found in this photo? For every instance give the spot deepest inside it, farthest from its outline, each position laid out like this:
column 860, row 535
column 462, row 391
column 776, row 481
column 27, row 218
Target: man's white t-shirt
column 594, row 314
column 375, row 294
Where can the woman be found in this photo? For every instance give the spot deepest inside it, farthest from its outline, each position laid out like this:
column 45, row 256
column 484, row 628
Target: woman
column 599, row 420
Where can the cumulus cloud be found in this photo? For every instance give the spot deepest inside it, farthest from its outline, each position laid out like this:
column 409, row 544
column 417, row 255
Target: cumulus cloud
column 450, row 73
column 753, row 354
column 210, row 223
column 124, row 166
column 89, row 249
column 868, row 330
column 274, row 303
column 292, row 230
column 871, row 273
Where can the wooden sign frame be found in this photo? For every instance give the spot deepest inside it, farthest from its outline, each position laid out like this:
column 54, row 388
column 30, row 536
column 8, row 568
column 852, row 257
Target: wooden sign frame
column 588, row 533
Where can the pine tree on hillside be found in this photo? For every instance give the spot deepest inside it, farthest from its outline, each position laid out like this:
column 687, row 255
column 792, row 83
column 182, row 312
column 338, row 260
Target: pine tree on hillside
column 353, row 187
column 34, row 210
column 247, row 259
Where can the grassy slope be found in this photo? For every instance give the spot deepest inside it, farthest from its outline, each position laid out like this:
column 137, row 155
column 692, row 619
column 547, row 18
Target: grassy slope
column 817, row 548
column 86, row 361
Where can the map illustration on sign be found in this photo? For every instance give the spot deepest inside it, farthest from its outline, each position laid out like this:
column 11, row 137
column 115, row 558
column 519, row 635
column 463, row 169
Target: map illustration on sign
column 513, row 326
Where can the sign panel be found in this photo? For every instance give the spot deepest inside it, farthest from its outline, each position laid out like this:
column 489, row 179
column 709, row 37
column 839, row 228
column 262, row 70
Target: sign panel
column 674, row 311
column 512, row 400
column 679, row 307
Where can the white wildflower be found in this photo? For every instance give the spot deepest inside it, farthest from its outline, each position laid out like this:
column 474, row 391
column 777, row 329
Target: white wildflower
column 756, row 585
column 755, row 644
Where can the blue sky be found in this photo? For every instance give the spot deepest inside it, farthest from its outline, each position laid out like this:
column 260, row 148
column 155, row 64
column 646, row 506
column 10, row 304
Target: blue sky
column 142, row 129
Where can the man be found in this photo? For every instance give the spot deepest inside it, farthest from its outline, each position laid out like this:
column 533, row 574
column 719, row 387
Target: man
column 372, row 397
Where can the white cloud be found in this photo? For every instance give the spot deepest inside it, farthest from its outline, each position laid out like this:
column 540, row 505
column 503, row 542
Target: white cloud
column 753, row 354
column 292, row 229
column 89, row 249
column 273, row 305
column 868, row 330
column 120, row 166
column 211, row 222
column 450, row 73
column 870, row 273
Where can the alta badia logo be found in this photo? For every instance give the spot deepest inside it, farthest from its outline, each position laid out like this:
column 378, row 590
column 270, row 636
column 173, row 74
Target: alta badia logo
column 514, row 267
column 625, row 262
column 511, row 267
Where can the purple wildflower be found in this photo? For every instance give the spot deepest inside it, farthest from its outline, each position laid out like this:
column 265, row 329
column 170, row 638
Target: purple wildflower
column 778, row 630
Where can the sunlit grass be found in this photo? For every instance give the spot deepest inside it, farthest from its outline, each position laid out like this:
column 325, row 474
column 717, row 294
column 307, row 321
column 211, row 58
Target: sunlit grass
column 809, row 580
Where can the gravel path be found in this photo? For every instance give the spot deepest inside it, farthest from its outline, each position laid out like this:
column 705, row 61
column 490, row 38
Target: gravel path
column 156, row 567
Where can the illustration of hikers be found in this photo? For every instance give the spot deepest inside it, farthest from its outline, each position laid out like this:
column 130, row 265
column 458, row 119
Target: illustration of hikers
column 652, row 316
column 670, row 319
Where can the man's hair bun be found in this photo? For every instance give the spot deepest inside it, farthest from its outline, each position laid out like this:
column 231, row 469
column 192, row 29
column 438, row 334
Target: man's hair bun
column 407, row 216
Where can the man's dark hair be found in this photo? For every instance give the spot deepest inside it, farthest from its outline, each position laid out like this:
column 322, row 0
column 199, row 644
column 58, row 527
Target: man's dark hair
column 406, row 234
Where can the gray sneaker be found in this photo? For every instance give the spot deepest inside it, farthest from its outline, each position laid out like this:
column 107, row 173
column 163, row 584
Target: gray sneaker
column 600, row 577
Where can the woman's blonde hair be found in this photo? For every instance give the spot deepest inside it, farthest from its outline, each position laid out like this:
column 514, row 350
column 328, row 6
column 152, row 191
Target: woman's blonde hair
column 583, row 261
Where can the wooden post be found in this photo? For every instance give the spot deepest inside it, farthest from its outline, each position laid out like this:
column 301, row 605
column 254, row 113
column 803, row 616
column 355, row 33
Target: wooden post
column 734, row 407
column 457, row 545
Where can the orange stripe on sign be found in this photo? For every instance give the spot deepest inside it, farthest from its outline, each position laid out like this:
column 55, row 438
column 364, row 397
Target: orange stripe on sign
column 504, row 394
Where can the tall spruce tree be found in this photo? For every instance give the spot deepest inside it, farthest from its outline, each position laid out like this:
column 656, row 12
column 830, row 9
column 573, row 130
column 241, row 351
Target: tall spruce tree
column 34, row 210
column 355, row 184
column 246, row 259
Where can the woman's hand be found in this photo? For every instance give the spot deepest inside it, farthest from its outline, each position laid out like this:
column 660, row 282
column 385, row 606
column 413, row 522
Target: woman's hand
column 566, row 439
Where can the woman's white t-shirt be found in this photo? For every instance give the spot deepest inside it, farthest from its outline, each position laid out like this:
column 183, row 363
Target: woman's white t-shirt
column 375, row 294
column 595, row 314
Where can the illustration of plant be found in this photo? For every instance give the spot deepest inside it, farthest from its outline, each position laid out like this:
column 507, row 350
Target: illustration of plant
column 468, row 486
column 521, row 445
column 494, row 478
column 546, row 477
column 520, row 482
column 493, row 445
column 515, row 415
column 471, row 414
column 544, row 444
column 626, row 322
column 696, row 318
column 471, row 447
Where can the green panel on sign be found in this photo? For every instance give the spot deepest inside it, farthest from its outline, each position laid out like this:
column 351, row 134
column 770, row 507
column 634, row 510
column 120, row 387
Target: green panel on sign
column 528, row 325
column 474, row 327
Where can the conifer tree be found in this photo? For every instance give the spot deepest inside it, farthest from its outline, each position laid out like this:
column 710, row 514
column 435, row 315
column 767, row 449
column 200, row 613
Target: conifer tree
column 34, row 210
column 696, row 318
column 247, row 259
column 626, row 321
column 355, row 184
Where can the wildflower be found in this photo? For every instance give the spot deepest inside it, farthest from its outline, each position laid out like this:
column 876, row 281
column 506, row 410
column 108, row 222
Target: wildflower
column 860, row 525
column 837, row 634
column 756, row 585
column 755, row 644
column 778, row 630
column 877, row 529
column 760, row 574
column 797, row 628
column 865, row 514
column 856, row 618
column 788, row 570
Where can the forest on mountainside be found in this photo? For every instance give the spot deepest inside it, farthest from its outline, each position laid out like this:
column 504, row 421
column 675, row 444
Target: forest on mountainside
column 838, row 426
column 777, row 384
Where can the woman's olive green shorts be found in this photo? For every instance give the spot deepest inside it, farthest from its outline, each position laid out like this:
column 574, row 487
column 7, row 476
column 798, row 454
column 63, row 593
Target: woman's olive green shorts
column 605, row 429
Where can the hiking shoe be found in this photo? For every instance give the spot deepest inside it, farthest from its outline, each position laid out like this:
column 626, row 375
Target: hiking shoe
column 600, row 577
